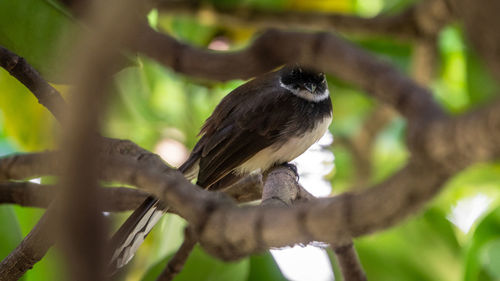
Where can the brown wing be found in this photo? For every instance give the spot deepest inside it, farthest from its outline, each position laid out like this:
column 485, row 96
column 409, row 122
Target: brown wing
column 245, row 122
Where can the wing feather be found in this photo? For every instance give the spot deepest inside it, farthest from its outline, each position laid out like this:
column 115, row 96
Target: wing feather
column 240, row 127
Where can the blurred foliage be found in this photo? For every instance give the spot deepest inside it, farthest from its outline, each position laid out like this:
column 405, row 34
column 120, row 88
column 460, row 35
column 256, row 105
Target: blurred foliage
column 201, row 266
column 153, row 103
column 34, row 29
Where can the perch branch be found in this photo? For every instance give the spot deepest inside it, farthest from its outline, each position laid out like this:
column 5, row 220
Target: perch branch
column 282, row 189
column 247, row 189
column 221, row 225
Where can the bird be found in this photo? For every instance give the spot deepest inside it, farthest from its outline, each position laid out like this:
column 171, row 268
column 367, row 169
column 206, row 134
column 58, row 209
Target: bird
column 268, row 121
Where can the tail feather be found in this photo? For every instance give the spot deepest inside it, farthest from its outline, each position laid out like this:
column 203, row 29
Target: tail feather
column 132, row 233
column 134, row 230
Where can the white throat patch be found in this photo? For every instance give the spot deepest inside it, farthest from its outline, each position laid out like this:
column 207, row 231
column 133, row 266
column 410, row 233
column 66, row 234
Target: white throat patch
column 306, row 94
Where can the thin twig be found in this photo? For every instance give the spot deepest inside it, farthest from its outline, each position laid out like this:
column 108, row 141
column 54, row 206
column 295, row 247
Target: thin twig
column 32, row 249
column 424, row 60
column 26, row 74
column 349, row 263
column 177, row 262
column 361, row 144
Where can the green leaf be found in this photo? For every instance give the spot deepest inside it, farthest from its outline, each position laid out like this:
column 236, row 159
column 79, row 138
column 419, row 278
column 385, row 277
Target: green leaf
column 389, row 152
column 25, row 120
column 34, row 29
column 423, row 248
column 480, row 84
column 202, row 267
column 476, row 267
column 451, row 89
column 490, row 258
column 188, row 29
column 11, row 235
column 264, row 268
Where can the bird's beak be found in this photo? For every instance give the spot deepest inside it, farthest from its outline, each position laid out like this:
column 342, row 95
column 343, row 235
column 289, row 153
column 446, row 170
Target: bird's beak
column 310, row 87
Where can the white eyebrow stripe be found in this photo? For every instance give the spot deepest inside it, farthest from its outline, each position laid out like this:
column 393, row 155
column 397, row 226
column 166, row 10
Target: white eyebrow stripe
column 306, row 94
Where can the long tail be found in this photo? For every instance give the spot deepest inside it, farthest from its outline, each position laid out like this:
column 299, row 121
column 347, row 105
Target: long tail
column 132, row 233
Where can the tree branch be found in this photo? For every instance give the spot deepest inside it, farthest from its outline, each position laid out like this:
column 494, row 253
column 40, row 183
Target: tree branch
column 29, row 77
column 247, row 189
column 116, row 199
column 230, row 232
column 474, row 137
column 32, row 249
column 361, row 145
column 282, row 189
column 415, row 22
column 83, row 229
column 221, row 225
column 177, row 262
column 323, row 51
column 349, row 263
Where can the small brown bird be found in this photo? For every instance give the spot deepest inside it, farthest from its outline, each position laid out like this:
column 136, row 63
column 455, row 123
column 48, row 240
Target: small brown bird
column 267, row 121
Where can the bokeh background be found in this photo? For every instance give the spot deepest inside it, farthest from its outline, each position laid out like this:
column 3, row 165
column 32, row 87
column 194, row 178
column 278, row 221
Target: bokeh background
column 456, row 237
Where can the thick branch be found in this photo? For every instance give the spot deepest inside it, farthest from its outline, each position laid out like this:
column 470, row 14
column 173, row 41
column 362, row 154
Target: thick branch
column 335, row 219
column 273, row 48
column 473, row 137
column 282, row 188
column 116, row 199
column 424, row 58
column 247, row 189
column 97, row 54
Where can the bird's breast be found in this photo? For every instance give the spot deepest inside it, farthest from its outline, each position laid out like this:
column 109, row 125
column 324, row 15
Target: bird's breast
column 285, row 151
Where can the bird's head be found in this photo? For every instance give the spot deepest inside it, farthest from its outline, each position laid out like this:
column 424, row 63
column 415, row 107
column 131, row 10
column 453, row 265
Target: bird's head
column 305, row 83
